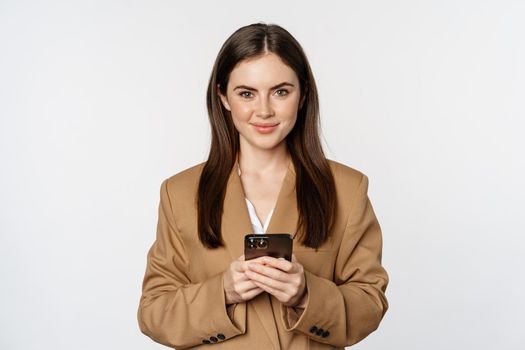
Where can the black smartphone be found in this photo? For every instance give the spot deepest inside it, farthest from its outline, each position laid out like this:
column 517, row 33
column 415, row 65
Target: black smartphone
column 277, row 245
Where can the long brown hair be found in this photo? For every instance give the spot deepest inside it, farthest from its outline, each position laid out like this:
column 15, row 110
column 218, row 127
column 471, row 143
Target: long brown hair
column 315, row 186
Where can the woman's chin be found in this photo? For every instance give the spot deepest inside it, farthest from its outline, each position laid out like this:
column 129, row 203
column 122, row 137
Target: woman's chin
column 266, row 145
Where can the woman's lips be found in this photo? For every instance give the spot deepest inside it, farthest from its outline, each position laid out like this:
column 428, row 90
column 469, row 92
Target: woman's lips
column 265, row 129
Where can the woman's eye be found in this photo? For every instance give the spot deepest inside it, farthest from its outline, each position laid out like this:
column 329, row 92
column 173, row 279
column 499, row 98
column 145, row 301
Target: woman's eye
column 285, row 92
column 248, row 94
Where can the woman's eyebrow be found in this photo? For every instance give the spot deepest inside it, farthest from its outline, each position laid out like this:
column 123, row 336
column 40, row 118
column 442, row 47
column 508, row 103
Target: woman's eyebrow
column 253, row 89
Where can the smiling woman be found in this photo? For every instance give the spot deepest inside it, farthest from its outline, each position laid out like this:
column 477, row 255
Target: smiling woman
column 266, row 164
column 257, row 106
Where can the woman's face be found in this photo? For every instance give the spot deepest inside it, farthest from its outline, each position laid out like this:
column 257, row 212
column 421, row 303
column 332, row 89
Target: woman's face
column 263, row 98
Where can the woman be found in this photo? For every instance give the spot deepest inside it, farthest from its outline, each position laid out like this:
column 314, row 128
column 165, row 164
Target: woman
column 266, row 172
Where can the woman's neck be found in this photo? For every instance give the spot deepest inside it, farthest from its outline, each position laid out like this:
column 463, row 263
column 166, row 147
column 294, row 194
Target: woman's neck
column 260, row 162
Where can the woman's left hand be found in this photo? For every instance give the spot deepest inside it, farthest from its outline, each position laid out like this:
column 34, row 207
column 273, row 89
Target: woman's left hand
column 281, row 278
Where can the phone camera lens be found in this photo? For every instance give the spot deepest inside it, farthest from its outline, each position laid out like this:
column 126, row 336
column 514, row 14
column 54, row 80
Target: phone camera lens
column 262, row 243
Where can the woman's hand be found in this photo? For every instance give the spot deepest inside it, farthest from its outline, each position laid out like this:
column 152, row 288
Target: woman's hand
column 283, row 279
column 237, row 286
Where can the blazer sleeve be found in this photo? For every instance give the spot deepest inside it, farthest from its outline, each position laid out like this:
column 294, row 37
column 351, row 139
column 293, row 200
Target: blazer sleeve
column 344, row 311
column 173, row 311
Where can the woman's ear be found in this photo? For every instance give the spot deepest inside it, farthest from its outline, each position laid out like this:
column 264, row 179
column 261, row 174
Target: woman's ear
column 223, row 98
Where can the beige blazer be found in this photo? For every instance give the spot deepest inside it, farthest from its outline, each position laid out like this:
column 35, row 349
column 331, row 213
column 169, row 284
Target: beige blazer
column 183, row 303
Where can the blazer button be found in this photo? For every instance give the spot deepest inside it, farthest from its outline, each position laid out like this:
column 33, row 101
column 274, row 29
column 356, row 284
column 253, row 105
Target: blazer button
column 214, row 340
column 320, row 331
column 206, row 341
column 313, row 329
column 221, row 336
column 325, row 334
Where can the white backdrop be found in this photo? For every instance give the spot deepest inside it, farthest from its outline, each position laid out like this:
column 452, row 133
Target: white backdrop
column 102, row 100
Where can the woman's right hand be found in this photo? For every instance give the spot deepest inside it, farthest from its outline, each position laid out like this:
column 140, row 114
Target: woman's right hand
column 237, row 286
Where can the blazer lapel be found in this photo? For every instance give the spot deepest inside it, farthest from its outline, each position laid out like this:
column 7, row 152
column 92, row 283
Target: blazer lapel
column 285, row 215
column 235, row 217
column 236, row 223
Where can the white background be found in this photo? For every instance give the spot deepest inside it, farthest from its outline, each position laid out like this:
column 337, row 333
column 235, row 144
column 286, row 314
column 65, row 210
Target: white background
column 102, row 100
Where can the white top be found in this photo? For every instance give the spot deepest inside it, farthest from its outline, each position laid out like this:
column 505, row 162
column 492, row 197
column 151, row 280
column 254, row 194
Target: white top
column 256, row 224
column 258, row 228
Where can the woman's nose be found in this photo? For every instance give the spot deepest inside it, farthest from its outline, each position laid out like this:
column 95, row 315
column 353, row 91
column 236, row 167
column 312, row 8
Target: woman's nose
column 264, row 108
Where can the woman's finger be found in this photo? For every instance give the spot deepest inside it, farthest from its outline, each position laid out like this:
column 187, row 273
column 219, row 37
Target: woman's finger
column 270, row 282
column 281, row 263
column 252, row 293
column 269, row 271
column 280, row 295
column 238, row 266
column 245, row 286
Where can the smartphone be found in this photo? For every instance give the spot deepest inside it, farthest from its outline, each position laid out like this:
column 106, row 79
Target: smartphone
column 277, row 245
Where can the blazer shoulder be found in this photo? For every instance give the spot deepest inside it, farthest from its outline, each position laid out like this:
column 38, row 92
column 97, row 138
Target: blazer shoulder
column 350, row 184
column 185, row 181
column 346, row 175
